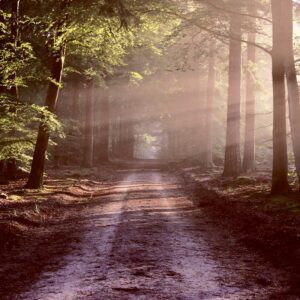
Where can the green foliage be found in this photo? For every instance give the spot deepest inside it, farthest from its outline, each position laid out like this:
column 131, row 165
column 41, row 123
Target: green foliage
column 19, row 122
column 105, row 40
column 149, row 139
column 97, row 48
column 15, row 57
column 135, row 78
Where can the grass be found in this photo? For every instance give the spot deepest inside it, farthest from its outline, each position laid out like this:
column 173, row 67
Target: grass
column 286, row 203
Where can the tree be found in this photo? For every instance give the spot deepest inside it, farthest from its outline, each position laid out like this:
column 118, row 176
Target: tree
column 75, row 95
column 249, row 142
column 232, row 163
column 16, row 55
column 57, row 49
column 291, row 79
column 280, row 158
column 88, row 152
column 102, row 152
column 208, row 148
column 64, row 21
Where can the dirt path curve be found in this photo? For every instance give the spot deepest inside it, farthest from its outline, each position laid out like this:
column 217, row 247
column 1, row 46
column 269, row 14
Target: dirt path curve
column 148, row 241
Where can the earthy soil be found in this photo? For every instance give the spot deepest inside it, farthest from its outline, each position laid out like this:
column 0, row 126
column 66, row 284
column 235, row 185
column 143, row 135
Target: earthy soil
column 245, row 208
column 133, row 233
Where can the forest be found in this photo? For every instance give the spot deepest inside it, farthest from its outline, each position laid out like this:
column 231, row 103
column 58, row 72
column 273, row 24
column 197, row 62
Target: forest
column 149, row 149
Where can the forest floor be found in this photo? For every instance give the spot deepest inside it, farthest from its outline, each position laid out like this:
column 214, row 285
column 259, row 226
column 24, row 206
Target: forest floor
column 148, row 232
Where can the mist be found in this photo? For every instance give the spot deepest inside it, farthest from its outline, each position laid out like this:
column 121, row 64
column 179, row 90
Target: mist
column 149, row 149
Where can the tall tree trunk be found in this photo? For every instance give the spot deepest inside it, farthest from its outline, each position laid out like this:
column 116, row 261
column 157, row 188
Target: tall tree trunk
column 35, row 180
column 88, row 151
column 210, row 97
column 126, row 133
column 292, row 84
column 122, row 135
column 114, row 130
column 232, row 163
column 128, row 139
column 249, row 143
column 114, row 138
column 280, row 158
column 75, row 106
column 119, row 141
column 103, row 151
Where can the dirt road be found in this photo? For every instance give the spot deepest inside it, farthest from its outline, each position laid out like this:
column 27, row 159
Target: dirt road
column 148, row 241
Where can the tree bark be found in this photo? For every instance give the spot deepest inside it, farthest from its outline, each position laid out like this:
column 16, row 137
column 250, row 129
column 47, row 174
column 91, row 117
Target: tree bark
column 114, row 139
column 75, row 106
column 126, row 133
column 118, row 136
column 292, row 83
column 35, row 180
column 103, row 151
column 232, row 163
column 210, row 97
column 122, row 135
column 249, row 143
column 280, row 158
column 89, row 128
column 128, row 139
column 114, row 130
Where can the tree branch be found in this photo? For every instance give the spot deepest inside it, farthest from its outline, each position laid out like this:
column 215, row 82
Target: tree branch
column 235, row 12
column 218, row 35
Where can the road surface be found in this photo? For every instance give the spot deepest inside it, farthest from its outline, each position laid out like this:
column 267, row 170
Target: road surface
column 147, row 240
